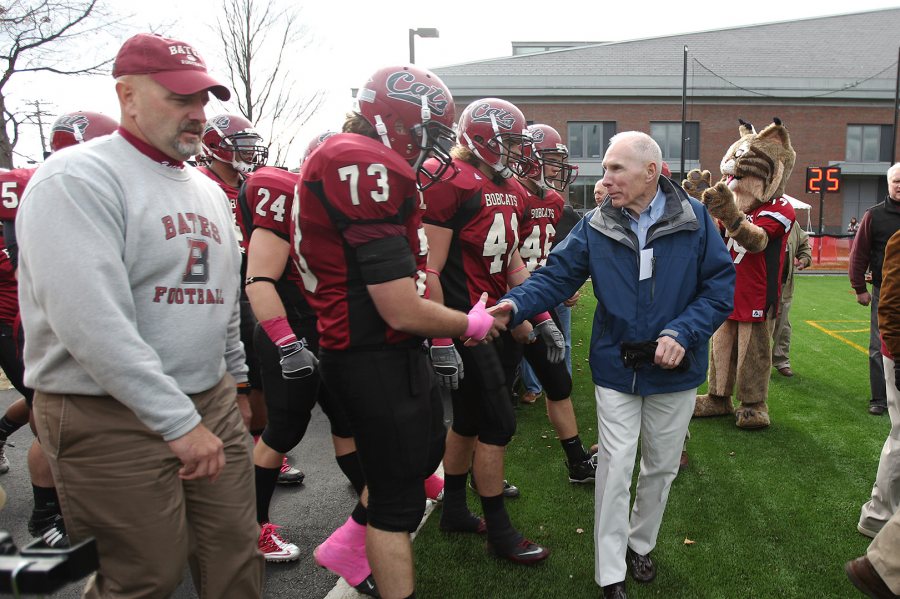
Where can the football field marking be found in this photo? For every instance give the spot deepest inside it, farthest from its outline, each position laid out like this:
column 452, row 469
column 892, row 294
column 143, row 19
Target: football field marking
column 835, row 332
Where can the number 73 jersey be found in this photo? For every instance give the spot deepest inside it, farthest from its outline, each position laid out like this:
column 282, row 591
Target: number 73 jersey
column 484, row 217
column 357, row 222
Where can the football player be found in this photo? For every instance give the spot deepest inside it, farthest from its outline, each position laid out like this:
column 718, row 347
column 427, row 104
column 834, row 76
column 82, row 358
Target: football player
column 46, row 519
column 550, row 174
column 472, row 226
column 232, row 149
column 361, row 252
column 286, row 338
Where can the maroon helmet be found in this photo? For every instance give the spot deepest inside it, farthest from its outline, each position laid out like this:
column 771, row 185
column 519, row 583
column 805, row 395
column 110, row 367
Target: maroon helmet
column 314, row 143
column 413, row 114
column 495, row 131
column 74, row 128
column 550, row 158
column 230, row 138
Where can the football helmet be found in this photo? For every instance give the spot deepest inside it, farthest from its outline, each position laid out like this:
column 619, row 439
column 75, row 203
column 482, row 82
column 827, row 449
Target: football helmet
column 230, row 138
column 550, row 158
column 76, row 127
column 413, row 114
column 495, row 131
column 314, row 143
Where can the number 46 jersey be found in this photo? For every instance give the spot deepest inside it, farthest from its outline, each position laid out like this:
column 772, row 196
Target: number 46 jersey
column 357, row 222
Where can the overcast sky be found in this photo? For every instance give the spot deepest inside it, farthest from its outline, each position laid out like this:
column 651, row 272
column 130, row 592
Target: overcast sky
column 349, row 39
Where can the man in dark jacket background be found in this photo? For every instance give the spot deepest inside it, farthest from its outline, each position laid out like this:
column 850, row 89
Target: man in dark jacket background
column 664, row 280
column 877, row 226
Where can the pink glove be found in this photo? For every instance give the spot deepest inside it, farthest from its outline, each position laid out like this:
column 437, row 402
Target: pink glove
column 480, row 322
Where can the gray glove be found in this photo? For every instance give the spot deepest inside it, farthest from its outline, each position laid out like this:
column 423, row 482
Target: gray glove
column 297, row 362
column 553, row 339
column 447, row 364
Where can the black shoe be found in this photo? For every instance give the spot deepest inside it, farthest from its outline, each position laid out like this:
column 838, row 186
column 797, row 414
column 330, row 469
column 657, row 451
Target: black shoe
column 584, row 471
column 642, row 567
column 524, row 552
column 54, row 536
column 614, row 591
column 510, row 491
column 41, row 520
column 876, row 410
column 367, row 587
column 472, row 524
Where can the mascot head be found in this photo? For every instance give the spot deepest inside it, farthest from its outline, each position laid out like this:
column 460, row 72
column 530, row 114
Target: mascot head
column 758, row 165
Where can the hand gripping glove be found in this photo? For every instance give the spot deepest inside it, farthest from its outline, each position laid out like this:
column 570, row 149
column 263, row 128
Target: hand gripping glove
column 447, row 363
column 297, row 362
column 553, row 339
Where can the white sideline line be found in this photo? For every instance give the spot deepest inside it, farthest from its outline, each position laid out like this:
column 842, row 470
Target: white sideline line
column 342, row 590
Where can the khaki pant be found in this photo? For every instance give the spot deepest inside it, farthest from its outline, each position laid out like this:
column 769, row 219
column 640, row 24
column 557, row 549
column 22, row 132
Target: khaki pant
column 885, row 498
column 781, row 337
column 884, row 553
column 660, row 422
column 118, row 482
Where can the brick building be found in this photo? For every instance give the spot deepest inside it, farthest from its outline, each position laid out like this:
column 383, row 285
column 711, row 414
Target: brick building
column 830, row 79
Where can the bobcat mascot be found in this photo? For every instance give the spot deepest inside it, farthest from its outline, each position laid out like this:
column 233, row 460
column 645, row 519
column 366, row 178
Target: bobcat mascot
column 755, row 221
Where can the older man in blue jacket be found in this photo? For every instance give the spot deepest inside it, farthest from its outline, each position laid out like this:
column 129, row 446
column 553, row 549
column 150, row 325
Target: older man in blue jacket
column 664, row 283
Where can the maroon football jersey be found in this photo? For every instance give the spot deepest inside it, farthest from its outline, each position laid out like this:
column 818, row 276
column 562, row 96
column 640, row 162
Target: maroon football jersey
column 484, row 217
column 538, row 227
column 12, row 187
column 269, row 193
column 355, row 192
column 241, row 229
column 9, row 289
column 758, row 284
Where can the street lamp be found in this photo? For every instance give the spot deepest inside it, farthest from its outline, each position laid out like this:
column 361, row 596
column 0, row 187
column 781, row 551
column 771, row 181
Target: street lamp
column 421, row 32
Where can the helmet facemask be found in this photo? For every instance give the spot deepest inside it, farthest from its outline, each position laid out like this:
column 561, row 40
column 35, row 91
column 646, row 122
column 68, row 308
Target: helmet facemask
column 434, row 140
column 565, row 172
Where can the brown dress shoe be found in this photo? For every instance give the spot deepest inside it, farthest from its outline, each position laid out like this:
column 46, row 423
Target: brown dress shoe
column 614, row 591
column 642, row 567
column 786, row 371
column 683, row 462
column 877, row 409
column 866, row 579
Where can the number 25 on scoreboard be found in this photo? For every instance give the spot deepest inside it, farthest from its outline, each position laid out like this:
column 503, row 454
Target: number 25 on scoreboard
column 821, row 179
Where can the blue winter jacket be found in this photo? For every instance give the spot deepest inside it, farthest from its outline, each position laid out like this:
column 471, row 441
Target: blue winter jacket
column 689, row 294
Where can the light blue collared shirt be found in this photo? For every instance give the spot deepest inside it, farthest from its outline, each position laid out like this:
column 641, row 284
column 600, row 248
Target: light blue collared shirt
column 648, row 217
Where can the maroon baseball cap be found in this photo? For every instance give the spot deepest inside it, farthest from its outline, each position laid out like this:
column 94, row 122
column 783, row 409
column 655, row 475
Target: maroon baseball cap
column 175, row 65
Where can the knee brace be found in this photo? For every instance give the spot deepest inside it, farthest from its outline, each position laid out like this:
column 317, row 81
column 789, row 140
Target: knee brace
column 397, row 506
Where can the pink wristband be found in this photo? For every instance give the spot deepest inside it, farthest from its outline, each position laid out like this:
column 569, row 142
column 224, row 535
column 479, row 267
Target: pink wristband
column 480, row 322
column 515, row 270
column 279, row 331
column 539, row 318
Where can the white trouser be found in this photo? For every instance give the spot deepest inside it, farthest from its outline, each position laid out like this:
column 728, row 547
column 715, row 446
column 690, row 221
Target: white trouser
column 886, row 490
column 661, row 421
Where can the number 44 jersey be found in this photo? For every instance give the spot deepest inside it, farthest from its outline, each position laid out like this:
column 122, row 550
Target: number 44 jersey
column 484, row 216
column 357, row 222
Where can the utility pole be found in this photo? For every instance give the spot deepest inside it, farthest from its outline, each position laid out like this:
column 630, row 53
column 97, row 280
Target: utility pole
column 37, row 117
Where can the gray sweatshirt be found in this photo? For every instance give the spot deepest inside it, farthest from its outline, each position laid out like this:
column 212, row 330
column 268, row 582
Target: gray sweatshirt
column 128, row 282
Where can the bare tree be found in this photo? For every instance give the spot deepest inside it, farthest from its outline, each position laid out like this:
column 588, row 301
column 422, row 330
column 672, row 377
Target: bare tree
column 38, row 36
column 261, row 43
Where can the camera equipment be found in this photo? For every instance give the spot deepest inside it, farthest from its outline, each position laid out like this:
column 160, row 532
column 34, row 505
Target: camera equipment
column 38, row 569
column 642, row 353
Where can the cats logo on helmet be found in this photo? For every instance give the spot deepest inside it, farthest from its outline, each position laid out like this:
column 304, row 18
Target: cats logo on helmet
column 74, row 124
column 403, row 86
column 537, row 135
column 503, row 118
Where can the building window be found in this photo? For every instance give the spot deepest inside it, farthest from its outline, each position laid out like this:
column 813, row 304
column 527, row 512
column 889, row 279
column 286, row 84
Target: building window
column 668, row 136
column 869, row 143
column 581, row 194
column 588, row 141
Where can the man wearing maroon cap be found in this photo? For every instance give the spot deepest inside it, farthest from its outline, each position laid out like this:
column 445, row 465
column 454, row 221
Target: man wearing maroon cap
column 134, row 349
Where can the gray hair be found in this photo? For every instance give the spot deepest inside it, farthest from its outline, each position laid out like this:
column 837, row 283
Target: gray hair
column 892, row 169
column 645, row 147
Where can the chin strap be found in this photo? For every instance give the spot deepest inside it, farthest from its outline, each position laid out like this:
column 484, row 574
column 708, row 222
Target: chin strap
column 381, row 130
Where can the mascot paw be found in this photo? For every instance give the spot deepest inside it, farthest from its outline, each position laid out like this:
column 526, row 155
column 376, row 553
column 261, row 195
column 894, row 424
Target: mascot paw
column 712, row 405
column 720, row 202
column 696, row 183
column 752, row 416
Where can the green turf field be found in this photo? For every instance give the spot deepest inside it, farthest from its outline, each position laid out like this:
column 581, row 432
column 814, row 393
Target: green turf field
column 767, row 514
